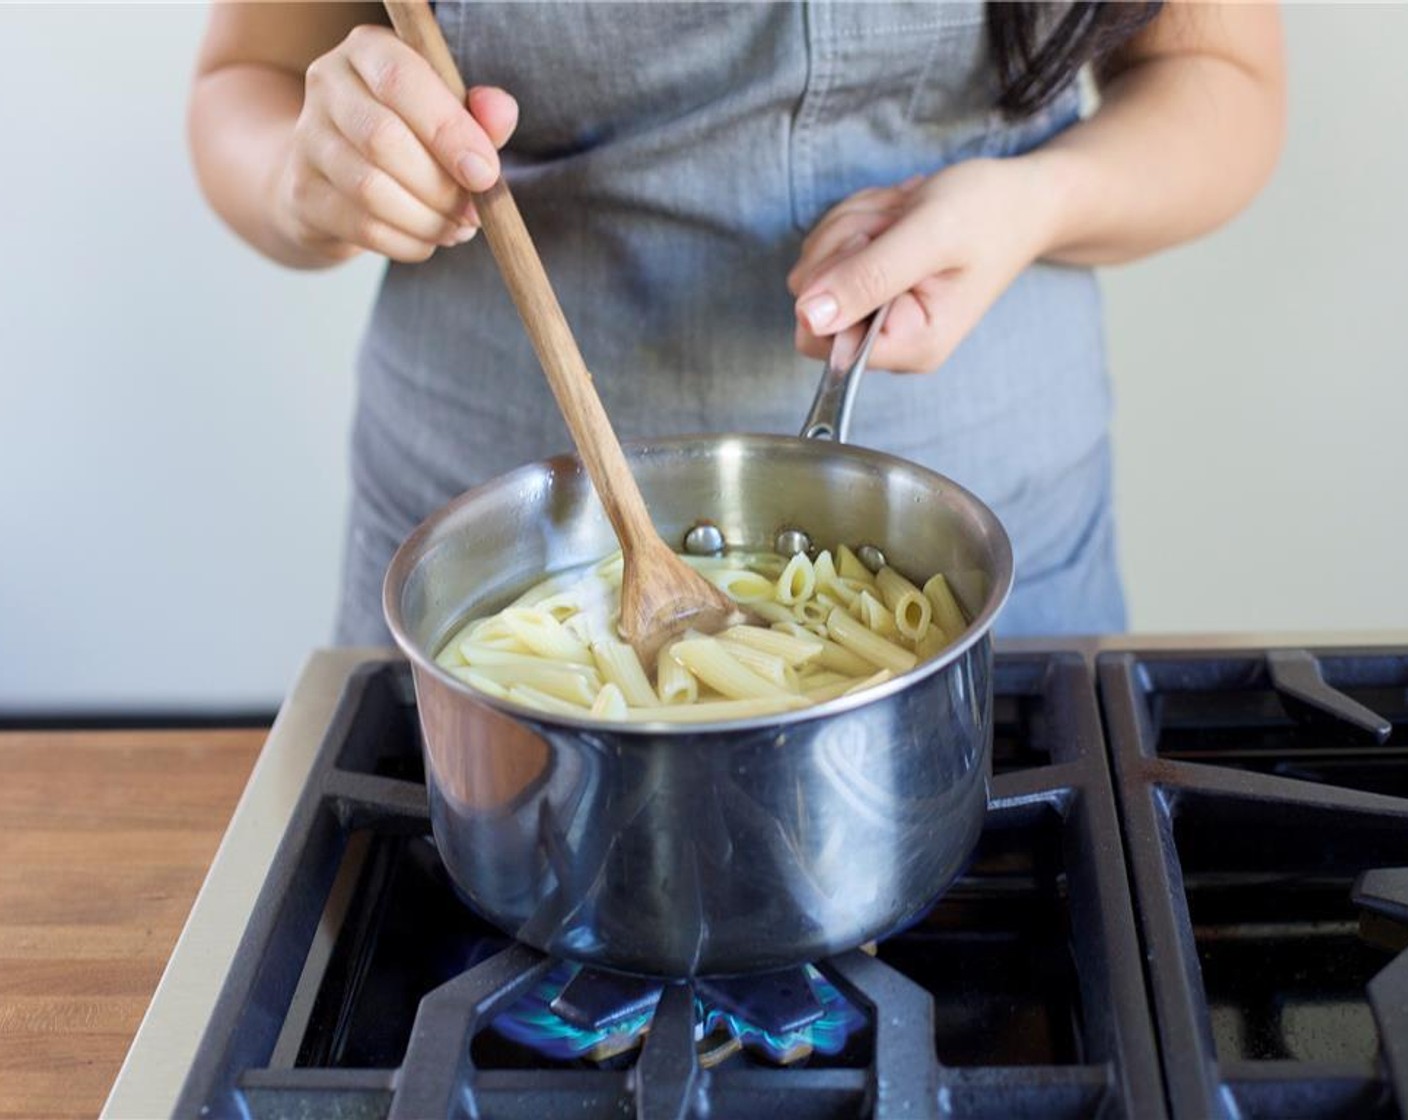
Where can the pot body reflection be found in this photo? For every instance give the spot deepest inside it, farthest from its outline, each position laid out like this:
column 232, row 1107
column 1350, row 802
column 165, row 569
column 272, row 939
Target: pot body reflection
column 720, row 849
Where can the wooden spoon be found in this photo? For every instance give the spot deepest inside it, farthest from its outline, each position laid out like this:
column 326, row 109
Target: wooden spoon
column 661, row 595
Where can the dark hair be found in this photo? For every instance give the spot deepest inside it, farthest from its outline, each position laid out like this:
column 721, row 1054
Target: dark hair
column 1039, row 47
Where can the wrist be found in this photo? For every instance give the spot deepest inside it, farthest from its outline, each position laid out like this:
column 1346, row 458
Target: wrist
column 1062, row 189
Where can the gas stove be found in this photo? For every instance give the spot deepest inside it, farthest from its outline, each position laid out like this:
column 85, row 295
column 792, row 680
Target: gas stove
column 1189, row 899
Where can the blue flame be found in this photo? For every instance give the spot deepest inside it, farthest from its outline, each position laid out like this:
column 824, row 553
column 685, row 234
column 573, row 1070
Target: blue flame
column 826, row 1035
column 533, row 1023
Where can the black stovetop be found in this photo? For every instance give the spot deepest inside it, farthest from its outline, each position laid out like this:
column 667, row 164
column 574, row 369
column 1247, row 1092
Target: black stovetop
column 1209, row 927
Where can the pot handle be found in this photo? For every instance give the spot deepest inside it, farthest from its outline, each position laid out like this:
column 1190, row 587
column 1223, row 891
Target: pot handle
column 830, row 417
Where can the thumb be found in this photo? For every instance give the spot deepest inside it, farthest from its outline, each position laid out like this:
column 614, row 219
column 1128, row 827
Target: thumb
column 848, row 291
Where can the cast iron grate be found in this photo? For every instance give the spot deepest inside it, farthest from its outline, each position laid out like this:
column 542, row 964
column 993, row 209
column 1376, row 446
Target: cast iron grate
column 1264, row 798
column 361, row 983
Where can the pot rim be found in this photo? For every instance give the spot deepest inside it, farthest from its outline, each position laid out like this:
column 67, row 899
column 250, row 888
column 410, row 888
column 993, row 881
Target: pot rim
column 403, row 562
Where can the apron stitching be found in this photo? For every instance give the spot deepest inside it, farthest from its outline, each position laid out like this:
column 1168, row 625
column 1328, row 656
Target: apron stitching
column 930, row 56
column 906, row 28
column 814, row 96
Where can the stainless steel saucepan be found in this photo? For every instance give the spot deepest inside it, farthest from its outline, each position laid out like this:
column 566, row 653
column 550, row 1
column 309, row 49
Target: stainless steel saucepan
column 708, row 849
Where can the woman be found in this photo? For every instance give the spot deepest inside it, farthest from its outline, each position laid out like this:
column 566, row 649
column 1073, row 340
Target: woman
column 700, row 178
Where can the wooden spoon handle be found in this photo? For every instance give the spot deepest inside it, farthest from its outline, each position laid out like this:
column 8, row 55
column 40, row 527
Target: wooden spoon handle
column 527, row 282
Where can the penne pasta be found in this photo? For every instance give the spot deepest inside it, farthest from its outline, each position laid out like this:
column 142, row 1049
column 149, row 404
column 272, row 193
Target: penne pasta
column 449, row 657
column 838, row 658
column 821, row 630
column 793, row 649
column 581, row 627
column 479, row 681
column 506, row 645
column 833, row 656
column 797, row 581
column 673, row 682
column 473, row 653
column 710, row 661
column 574, row 683
column 848, row 566
column 766, row 564
column 770, row 564
column 487, row 630
column 911, row 609
column 611, row 570
column 609, row 703
column 545, row 635
column 931, row 644
column 740, row 584
column 719, row 711
column 767, row 665
column 861, row 640
column 872, row 612
column 830, row 582
column 870, row 682
column 769, row 611
column 827, row 686
column 618, row 665
column 561, row 607
column 947, row 613
column 533, row 698
column 547, row 589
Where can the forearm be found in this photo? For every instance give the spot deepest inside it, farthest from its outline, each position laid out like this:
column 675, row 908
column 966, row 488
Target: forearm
column 241, row 126
column 1181, row 142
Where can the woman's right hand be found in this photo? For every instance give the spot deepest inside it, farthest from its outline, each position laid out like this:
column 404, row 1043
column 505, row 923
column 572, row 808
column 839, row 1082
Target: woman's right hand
column 383, row 157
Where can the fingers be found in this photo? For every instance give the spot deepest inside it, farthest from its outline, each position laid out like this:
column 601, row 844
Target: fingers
column 405, row 84
column 914, row 339
column 496, row 112
column 923, row 327
column 335, row 216
column 384, row 156
column 842, row 237
column 851, row 286
column 386, row 141
column 385, row 198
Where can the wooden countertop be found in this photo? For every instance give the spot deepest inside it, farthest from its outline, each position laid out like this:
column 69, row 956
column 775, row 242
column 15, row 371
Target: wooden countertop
column 105, row 838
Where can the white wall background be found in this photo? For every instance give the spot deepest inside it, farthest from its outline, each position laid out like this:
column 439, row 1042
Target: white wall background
column 173, row 410
column 1262, row 417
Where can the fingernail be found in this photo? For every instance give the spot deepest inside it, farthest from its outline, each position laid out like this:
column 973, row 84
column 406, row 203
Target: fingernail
column 465, row 233
column 477, row 173
column 819, row 311
column 859, row 241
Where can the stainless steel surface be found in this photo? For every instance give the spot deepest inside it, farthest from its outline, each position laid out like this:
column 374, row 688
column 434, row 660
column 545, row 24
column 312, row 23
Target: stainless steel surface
column 871, row 557
column 721, row 848
column 734, row 851
column 830, row 415
column 704, row 539
column 791, row 542
column 160, row 1056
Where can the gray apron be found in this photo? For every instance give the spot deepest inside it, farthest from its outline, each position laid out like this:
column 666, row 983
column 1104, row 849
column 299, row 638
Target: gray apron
column 669, row 160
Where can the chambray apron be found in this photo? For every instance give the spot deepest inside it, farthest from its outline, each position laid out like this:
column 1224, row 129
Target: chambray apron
column 669, row 160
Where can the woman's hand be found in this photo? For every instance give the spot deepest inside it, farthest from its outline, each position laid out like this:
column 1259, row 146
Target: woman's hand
column 942, row 248
column 383, row 157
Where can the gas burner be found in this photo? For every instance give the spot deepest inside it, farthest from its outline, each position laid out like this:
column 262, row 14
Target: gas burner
column 1264, row 793
column 1262, row 823
column 365, row 987
column 783, row 1018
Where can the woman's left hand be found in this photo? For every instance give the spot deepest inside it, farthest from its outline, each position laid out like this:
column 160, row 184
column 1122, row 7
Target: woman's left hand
column 942, row 248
